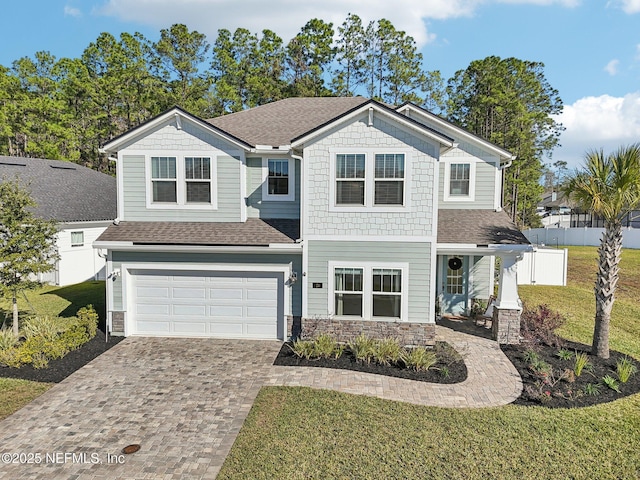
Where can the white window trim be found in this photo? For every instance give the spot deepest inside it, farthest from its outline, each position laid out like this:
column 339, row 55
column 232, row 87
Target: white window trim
column 369, row 181
column 367, row 290
column 181, row 188
column 71, row 238
column 266, row 196
column 447, row 180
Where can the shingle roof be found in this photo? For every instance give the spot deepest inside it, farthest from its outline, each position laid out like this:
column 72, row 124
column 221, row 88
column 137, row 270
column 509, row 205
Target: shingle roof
column 64, row 191
column 478, row 227
column 280, row 122
column 253, row 232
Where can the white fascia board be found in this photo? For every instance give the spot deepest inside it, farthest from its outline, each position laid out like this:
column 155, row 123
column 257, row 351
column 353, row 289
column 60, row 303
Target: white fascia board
column 131, row 247
column 268, row 149
column 459, row 131
column 113, row 146
column 493, row 249
column 365, row 107
column 85, row 224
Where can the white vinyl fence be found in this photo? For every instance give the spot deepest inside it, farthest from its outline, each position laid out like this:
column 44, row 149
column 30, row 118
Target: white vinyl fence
column 580, row 236
column 543, row 266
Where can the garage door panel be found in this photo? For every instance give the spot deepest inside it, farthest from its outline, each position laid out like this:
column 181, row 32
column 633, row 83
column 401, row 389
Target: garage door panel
column 207, row 303
column 189, row 310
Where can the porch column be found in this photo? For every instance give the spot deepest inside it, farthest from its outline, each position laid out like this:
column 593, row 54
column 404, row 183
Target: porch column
column 506, row 313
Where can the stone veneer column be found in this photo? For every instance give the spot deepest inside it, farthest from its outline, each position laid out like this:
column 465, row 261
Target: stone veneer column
column 506, row 313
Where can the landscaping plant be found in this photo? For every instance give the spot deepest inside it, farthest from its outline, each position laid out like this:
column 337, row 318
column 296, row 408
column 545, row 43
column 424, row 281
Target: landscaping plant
column 625, row 368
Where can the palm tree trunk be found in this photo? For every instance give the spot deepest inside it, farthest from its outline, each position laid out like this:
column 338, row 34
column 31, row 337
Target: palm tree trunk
column 606, row 282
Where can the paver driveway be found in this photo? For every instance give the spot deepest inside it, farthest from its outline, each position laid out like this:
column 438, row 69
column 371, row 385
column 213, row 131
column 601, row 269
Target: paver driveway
column 182, row 400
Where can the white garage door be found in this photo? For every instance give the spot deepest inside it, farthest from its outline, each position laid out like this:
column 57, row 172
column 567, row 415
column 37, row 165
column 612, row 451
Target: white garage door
column 207, row 304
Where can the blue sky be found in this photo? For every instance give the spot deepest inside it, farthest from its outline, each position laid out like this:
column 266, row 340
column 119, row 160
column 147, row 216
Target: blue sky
column 590, row 48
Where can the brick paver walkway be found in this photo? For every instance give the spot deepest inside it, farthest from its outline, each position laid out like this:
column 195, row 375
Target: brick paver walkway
column 185, row 400
column 492, row 379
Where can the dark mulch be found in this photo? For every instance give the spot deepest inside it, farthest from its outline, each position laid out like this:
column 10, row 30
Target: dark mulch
column 570, row 392
column 457, row 370
column 61, row 368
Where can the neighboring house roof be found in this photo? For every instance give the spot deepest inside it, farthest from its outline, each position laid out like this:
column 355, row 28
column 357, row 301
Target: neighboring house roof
column 478, row 227
column 552, row 199
column 63, row 191
column 253, row 232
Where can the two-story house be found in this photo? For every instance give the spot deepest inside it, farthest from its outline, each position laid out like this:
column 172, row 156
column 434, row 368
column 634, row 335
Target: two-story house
column 338, row 215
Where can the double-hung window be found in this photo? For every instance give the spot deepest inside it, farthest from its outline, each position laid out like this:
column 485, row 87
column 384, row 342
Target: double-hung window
column 459, row 179
column 198, row 179
column 389, row 179
column 387, row 292
column 164, row 179
column 350, row 179
column 348, row 291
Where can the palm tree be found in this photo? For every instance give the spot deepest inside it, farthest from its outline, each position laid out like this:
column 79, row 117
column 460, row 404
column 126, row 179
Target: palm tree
column 607, row 186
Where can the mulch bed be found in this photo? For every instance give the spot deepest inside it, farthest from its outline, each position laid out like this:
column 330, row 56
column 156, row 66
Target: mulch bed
column 61, row 368
column 570, row 392
column 457, row 371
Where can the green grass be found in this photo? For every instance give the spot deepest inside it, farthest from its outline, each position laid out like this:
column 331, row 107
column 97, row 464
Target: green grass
column 15, row 394
column 297, row 433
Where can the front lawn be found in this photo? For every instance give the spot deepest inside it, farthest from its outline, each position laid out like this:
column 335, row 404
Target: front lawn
column 304, row 433
column 15, row 394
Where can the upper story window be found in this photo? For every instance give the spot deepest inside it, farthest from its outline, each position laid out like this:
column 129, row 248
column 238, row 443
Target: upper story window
column 369, row 180
column 459, row 179
column 184, row 181
column 198, row 179
column 278, row 184
column 163, row 179
column 389, row 178
column 77, row 239
column 350, row 179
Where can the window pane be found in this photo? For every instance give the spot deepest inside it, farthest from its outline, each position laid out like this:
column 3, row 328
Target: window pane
column 348, row 279
column 389, row 192
column 389, row 165
column 278, row 186
column 198, row 192
column 350, row 192
column 163, row 167
column 386, row 306
column 350, row 166
column 164, row 192
column 459, row 179
column 387, row 280
column 77, row 238
column 197, row 168
column 348, row 304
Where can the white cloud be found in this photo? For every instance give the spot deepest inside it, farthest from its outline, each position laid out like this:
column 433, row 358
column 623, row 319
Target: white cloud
column 612, row 67
column 598, row 122
column 286, row 17
column 629, row 6
column 70, row 11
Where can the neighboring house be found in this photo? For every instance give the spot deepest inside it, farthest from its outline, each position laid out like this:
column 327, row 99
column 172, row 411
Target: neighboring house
column 82, row 202
column 340, row 215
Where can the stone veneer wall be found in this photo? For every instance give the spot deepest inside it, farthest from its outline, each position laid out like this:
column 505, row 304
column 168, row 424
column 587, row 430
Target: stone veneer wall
column 406, row 333
column 505, row 328
column 117, row 323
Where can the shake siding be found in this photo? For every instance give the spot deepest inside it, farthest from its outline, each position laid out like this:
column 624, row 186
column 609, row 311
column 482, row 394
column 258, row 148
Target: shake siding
column 417, row 255
column 416, row 220
column 256, row 207
column 295, row 305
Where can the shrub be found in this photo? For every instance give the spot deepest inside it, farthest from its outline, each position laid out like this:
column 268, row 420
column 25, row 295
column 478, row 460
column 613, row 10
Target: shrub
column 7, row 339
column 363, row 348
column 42, row 326
column 538, row 325
column 625, row 368
column 10, row 357
column 88, row 317
column 582, row 361
column 419, row 358
column 303, row 349
column 326, row 346
column 387, row 351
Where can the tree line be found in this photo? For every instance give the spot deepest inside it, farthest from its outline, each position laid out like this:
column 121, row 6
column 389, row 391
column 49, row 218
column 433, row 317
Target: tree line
column 64, row 108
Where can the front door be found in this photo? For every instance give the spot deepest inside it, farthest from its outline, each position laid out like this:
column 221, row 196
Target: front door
column 454, row 272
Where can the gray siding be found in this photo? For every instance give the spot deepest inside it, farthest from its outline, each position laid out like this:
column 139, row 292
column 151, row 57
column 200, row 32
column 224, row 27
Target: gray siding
column 417, row 255
column 170, row 140
column 416, row 220
column 295, row 296
column 480, row 275
column 256, row 207
column 484, row 181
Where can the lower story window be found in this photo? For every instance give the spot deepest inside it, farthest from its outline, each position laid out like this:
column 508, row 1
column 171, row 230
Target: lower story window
column 387, row 292
column 348, row 291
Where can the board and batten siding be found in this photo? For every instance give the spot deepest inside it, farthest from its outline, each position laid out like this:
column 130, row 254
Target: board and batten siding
column 258, row 208
column 118, row 258
column 382, row 136
column 485, row 177
column 416, row 255
column 170, row 140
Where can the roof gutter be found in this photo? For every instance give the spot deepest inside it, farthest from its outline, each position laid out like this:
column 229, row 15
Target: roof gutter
column 133, row 247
